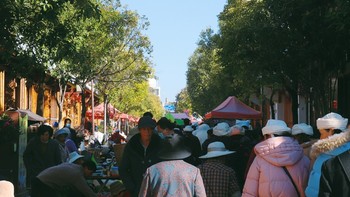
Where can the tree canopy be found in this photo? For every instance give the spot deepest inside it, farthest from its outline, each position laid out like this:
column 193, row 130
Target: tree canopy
column 297, row 47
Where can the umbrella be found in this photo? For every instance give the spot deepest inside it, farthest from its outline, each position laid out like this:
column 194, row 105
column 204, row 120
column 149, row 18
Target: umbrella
column 99, row 111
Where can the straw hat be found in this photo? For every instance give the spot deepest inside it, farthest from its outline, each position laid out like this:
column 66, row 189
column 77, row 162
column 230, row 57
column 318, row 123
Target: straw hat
column 275, row 127
column 302, row 128
column 216, row 149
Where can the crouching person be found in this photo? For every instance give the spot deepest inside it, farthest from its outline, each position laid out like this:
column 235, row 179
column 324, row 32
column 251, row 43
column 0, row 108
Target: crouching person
column 67, row 178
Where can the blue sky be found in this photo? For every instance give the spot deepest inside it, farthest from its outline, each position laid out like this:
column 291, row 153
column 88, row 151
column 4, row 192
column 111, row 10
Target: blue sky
column 174, row 30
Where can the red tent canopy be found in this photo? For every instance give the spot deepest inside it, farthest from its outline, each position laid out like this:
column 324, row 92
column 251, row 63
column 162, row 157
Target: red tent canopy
column 232, row 108
column 99, row 111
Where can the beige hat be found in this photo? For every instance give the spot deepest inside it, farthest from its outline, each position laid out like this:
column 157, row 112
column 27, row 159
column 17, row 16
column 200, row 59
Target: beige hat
column 332, row 121
column 6, row 189
column 221, row 129
column 275, row 127
column 302, row 128
column 216, row 149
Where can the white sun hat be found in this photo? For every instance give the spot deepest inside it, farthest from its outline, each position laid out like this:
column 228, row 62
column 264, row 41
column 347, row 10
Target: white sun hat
column 302, row 128
column 73, row 156
column 216, row 149
column 275, row 127
column 332, row 121
column 221, row 129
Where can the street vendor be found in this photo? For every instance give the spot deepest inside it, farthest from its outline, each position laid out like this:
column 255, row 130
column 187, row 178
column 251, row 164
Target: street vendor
column 66, row 178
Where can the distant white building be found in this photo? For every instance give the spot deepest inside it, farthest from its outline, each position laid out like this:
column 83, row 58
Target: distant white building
column 154, row 86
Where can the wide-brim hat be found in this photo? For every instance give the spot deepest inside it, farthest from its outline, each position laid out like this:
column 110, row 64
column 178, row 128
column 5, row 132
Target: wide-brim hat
column 73, row 156
column 302, row 128
column 201, row 128
column 275, row 127
column 332, row 121
column 216, row 149
column 174, row 149
column 188, row 128
column 64, row 130
column 146, row 122
column 221, row 129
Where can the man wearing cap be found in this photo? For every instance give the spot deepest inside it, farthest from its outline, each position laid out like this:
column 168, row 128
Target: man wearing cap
column 280, row 167
column 66, row 178
column 139, row 154
column 219, row 179
column 334, row 140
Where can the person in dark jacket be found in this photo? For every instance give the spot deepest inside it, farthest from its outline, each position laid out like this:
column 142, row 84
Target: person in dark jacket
column 140, row 153
column 335, row 176
column 193, row 143
column 41, row 152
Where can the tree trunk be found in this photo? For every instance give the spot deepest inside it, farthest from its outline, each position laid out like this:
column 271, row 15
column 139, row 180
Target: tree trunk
column 83, row 105
column 40, row 102
column 272, row 105
column 295, row 105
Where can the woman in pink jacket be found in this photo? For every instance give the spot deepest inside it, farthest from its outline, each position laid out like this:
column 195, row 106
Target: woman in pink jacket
column 280, row 167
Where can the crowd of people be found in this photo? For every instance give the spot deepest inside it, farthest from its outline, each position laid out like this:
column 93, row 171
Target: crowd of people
column 164, row 159
column 161, row 158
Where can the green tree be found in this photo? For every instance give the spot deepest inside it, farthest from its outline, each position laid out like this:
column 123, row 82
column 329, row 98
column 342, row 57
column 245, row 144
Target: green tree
column 34, row 37
column 289, row 45
column 183, row 102
column 204, row 84
column 135, row 99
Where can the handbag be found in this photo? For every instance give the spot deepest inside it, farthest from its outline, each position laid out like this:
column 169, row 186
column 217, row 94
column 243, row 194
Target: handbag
column 290, row 177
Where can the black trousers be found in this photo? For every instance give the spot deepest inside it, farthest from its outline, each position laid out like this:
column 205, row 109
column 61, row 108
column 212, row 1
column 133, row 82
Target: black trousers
column 40, row 189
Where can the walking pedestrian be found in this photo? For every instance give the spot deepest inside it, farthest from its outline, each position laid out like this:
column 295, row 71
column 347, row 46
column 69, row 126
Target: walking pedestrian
column 280, row 167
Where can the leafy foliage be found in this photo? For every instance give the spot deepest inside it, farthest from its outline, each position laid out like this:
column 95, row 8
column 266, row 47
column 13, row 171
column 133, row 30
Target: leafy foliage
column 183, row 102
column 297, row 46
